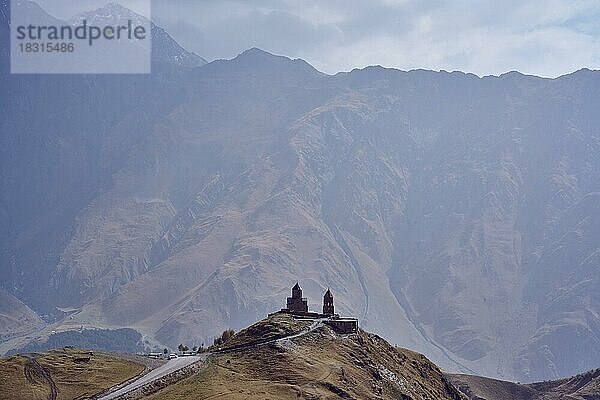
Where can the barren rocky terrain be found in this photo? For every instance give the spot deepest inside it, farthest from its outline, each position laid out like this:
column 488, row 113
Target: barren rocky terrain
column 453, row 214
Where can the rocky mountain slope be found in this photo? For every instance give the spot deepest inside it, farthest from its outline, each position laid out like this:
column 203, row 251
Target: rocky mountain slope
column 16, row 318
column 455, row 215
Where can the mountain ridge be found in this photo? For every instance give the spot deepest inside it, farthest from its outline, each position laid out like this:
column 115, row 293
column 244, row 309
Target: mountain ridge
column 581, row 387
column 405, row 194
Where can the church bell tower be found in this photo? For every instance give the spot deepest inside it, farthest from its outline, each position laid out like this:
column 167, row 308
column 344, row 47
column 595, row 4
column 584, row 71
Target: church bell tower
column 328, row 303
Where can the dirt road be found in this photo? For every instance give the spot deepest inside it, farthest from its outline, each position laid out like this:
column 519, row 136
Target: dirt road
column 34, row 372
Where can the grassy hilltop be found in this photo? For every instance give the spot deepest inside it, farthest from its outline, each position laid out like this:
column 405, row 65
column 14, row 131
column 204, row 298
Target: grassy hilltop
column 318, row 365
column 63, row 374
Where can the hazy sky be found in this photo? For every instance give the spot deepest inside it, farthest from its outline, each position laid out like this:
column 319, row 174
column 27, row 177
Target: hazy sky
column 548, row 38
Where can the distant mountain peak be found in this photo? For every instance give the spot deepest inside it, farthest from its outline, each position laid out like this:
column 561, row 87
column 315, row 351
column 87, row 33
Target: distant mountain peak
column 115, row 5
column 255, row 58
column 113, row 12
column 164, row 47
column 256, row 53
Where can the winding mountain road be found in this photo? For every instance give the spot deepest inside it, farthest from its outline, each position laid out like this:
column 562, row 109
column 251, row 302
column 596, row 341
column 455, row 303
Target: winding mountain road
column 169, row 367
column 181, row 362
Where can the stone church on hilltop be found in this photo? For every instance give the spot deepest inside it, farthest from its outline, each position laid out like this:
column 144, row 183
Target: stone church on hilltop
column 297, row 306
column 297, row 303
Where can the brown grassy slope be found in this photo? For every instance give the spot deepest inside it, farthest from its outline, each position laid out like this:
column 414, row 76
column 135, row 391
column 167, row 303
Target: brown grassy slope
column 477, row 387
column 584, row 386
column 319, row 365
column 273, row 327
column 19, row 378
